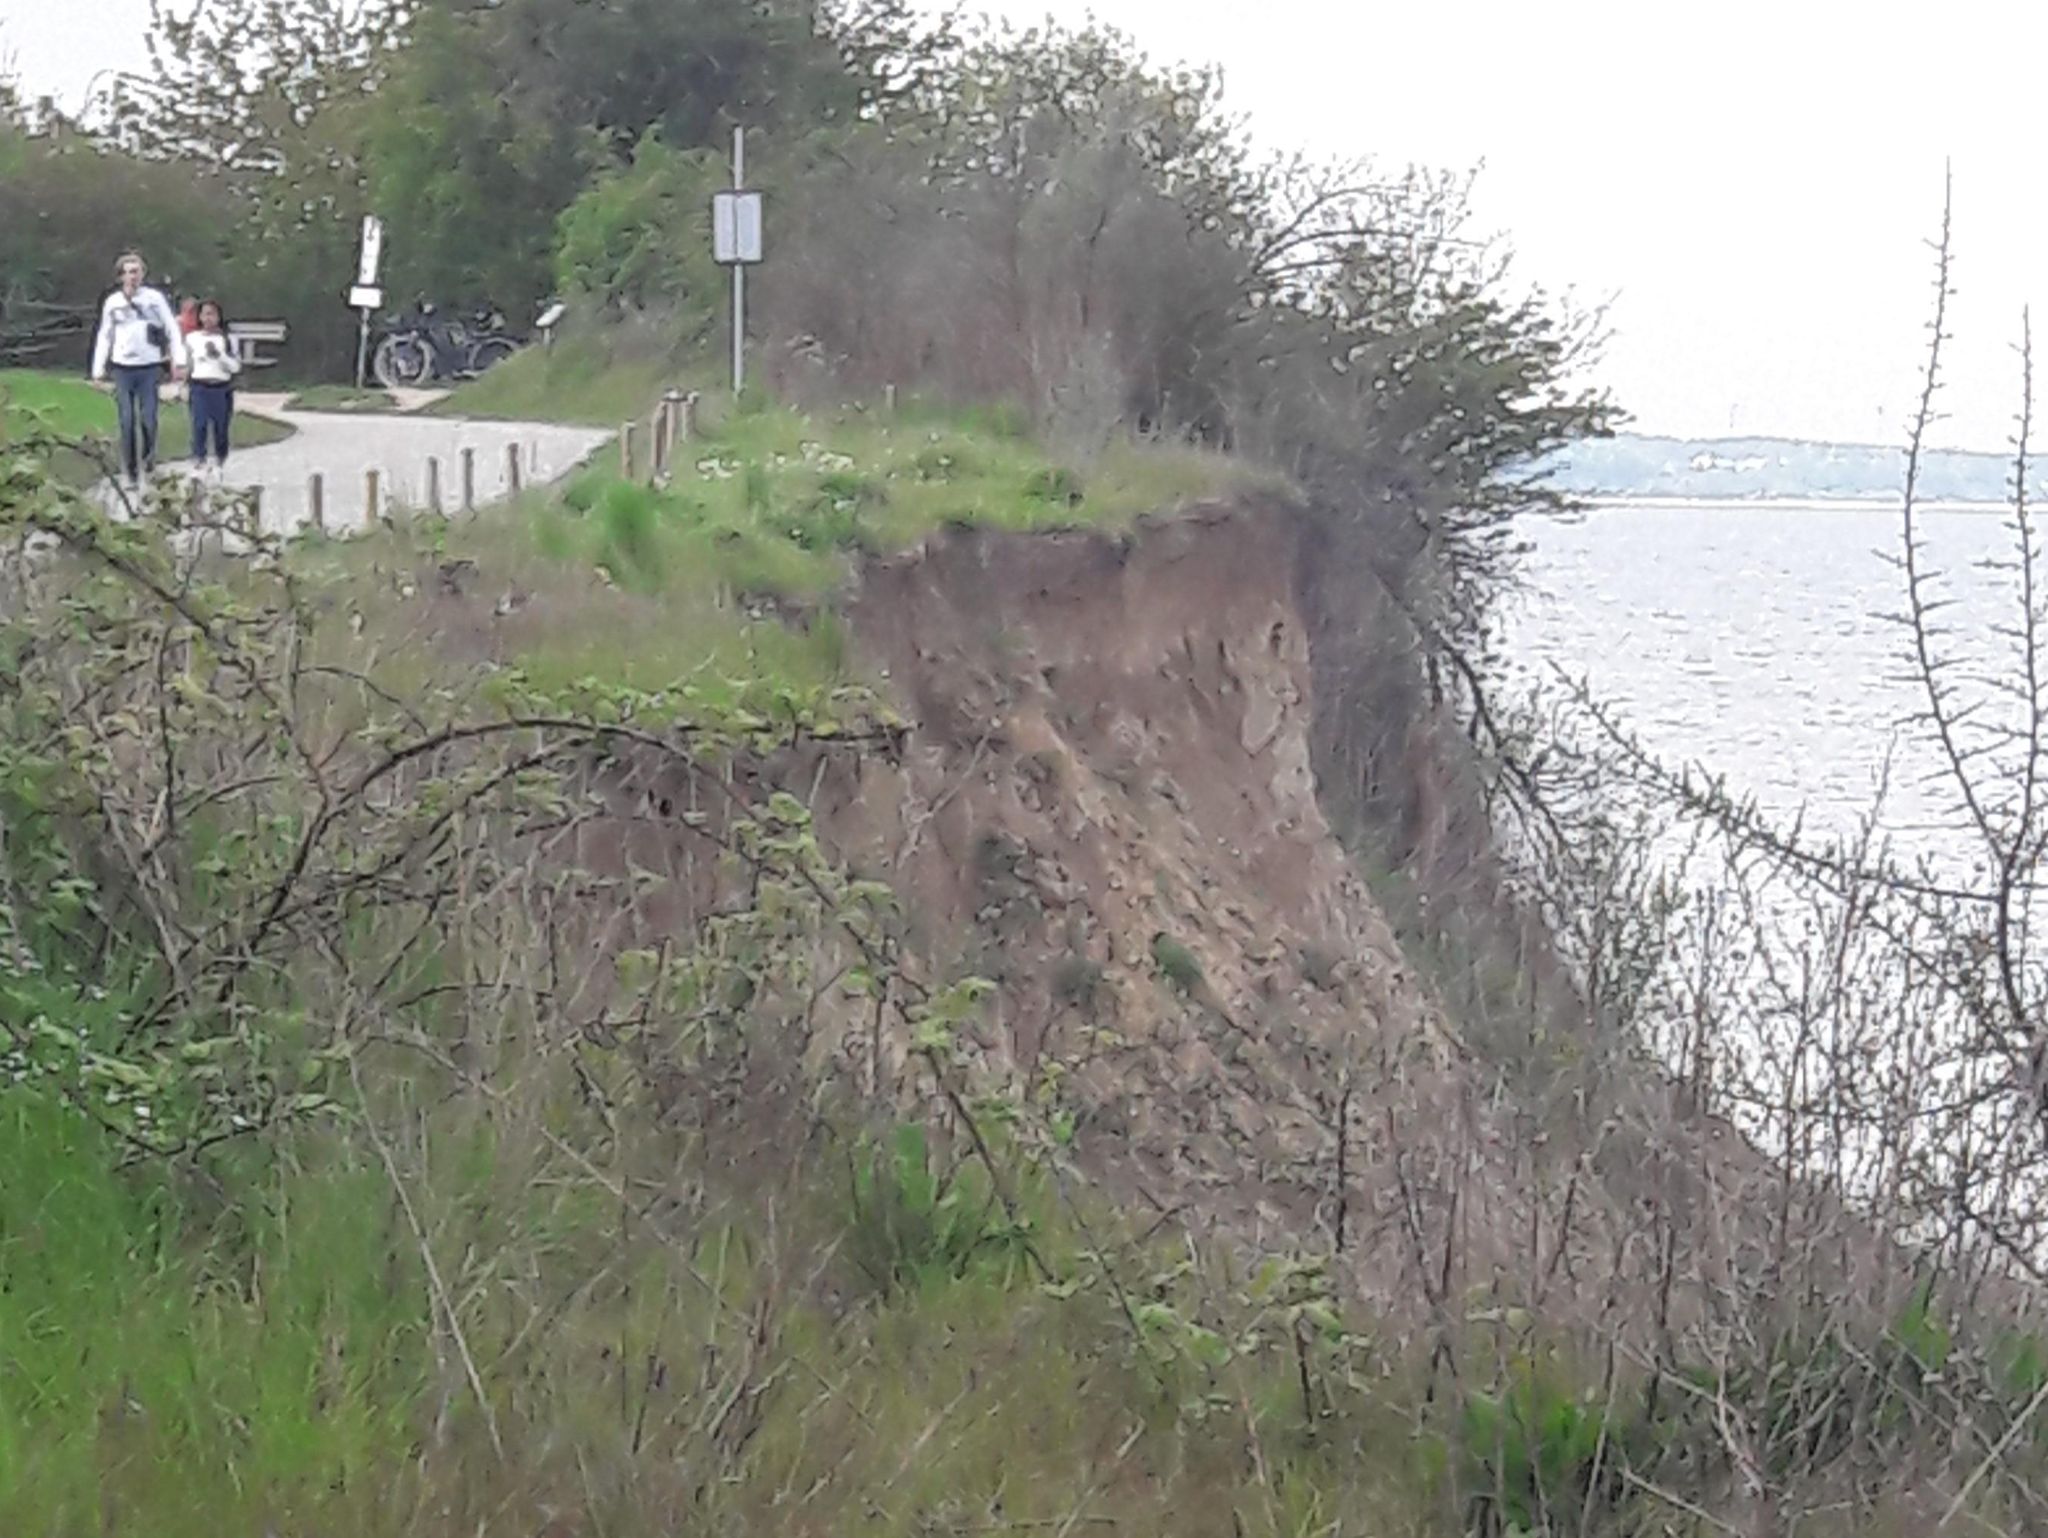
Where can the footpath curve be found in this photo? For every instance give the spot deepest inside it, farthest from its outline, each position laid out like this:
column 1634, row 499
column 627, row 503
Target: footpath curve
column 340, row 447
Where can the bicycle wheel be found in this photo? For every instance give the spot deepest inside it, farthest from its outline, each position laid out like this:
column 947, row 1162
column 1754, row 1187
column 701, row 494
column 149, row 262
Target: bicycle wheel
column 401, row 363
column 492, row 349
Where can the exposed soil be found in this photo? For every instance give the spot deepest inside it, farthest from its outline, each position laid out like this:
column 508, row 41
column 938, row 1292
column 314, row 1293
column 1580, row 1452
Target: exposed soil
column 1108, row 805
column 1115, row 800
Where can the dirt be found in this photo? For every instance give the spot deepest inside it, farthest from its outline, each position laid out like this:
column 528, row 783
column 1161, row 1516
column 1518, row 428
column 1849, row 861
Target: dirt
column 1115, row 800
column 1108, row 805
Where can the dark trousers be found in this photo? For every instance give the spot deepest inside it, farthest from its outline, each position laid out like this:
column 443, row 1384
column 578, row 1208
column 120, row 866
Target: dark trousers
column 135, row 398
column 213, row 408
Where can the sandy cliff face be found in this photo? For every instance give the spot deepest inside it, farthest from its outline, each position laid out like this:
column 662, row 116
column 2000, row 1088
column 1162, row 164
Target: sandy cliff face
column 1116, row 799
column 1108, row 804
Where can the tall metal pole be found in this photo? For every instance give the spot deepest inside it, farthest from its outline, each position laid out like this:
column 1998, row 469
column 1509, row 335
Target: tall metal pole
column 739, row 275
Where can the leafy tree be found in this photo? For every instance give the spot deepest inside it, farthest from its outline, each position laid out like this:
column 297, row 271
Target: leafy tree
column 467, row 181
column 270, row 102
column 639, row 237
column 497, row 115
column 69, row 205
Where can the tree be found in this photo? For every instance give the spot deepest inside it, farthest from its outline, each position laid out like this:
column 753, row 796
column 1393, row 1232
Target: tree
column 269, row 102
column 496, row 116
column 69, row 205
column 639, row 237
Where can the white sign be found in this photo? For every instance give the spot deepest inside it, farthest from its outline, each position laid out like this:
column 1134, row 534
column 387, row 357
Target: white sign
column 366, row 296
column 372, row 251
column 736, row 228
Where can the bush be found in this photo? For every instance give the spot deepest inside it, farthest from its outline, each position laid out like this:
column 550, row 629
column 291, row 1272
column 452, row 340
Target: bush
column 913, row 1225
column 640, row 237
column 628, row 520
column 1177, row 964
column 1536, row 1445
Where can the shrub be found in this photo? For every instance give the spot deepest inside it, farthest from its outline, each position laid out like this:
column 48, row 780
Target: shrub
column 1535, row 1446
column 914, row 1225
column 628, row 521
column 1055, row 484
column 1176, row 963
column 640, row 236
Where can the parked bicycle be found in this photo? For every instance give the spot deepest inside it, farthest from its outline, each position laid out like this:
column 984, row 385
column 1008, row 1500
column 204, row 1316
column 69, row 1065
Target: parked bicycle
column 422, row 346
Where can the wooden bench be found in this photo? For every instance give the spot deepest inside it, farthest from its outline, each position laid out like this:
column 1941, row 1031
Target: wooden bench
column 256, row 334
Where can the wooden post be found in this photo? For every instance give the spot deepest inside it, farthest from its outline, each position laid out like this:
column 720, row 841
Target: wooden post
column 316, row 502
column 626, row 450
column 671, row 426
column 371, row 502
column 889, row 402
column 469, row 480
column 688, row 426
column 512, row 469
column 433, row 485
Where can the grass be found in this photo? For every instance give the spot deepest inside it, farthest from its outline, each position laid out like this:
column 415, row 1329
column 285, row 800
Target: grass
column 71, row 408
column 277, row 1364
column 584, row 379
column 805, row 1353
column 721, row 582
column 146, row 1377
column 341, row 398
column 776, row 502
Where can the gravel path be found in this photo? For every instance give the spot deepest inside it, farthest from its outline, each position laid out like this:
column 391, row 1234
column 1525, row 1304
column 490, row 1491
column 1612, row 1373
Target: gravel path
column 340, row 448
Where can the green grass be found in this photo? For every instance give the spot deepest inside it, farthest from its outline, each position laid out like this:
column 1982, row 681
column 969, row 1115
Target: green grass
column 776, row 502
column 864, row 1362
column 585, row 379
column 71, row 408
column 158, row 1364
column 721, row 583
column 341, row 398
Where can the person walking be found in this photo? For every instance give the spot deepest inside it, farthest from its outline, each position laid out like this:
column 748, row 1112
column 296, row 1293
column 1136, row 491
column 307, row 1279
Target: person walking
column 213, row 362
column 138, row 335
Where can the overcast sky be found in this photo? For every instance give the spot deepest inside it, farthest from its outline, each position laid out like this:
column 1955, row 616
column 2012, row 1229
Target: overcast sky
column 1752, row 184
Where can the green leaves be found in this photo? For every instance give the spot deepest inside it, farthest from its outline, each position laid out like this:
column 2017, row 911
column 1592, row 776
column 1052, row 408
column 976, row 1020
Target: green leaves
column 917, row 1221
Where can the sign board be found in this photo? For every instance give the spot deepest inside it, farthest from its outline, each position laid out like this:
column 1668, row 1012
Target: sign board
column 736, row 228
column 372, row 251
column 366, row 296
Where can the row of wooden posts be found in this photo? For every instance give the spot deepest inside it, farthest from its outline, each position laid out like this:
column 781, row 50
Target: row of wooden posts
column 674, row 421
column 373, row 487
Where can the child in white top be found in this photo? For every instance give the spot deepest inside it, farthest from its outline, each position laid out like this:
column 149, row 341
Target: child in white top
column 215, row 361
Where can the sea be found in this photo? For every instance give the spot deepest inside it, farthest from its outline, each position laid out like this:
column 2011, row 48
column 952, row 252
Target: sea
column 1763, row 642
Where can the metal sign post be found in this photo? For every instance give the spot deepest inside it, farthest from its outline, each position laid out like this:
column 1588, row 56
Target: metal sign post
column 366, row 296
column 736, row 243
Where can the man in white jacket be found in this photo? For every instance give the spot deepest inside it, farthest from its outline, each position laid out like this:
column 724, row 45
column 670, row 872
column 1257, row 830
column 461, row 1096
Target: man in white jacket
column 138, row 335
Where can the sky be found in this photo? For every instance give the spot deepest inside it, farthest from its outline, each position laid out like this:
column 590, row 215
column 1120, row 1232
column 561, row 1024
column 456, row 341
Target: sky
column 1750, row 186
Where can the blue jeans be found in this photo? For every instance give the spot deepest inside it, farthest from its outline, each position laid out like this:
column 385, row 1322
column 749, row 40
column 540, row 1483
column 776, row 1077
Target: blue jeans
column 213, row 407
column 135, row 396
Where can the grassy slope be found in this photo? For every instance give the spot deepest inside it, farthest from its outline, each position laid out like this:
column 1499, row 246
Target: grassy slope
column 72, row 408
column 582, row 379
column 280, row 1362
column 279, row 1367
column 649, row 587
